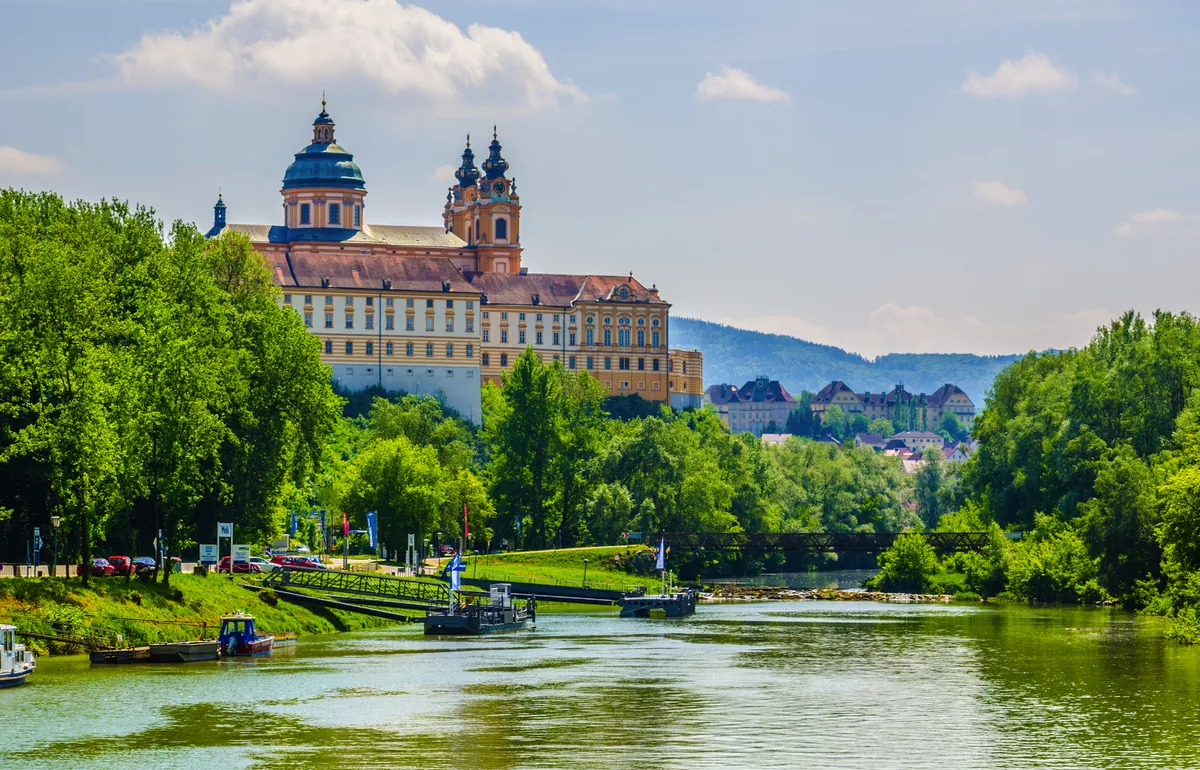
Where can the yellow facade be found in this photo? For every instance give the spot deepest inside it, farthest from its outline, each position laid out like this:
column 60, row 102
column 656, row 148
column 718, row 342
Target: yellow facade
column 429, row 309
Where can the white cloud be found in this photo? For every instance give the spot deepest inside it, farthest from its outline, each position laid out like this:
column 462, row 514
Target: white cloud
column 892, row 328
column 444, row 173
column 733, row 83
column 1112, row 82
column 14, row 161
column 1033, row 72
column 1141, row 219
column 999, row 194
column 397, row 48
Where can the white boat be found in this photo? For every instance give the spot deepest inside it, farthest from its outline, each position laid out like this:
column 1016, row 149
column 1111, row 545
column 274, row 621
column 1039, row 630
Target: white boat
column 16, row 662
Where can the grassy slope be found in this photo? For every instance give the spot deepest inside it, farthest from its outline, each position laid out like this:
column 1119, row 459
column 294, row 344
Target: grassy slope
column 560, row 567
column 115, row 605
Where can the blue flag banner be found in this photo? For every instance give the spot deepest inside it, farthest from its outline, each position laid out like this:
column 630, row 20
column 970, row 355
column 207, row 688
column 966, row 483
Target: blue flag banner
column 453, row 569
column 518, row 524
column 292, row 532
column 662, row 555
column 372, row 527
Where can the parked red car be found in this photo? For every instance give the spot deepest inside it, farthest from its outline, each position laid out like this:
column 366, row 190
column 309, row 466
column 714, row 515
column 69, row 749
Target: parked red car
column 120, row 564
column 240, row 566
column 99, row 568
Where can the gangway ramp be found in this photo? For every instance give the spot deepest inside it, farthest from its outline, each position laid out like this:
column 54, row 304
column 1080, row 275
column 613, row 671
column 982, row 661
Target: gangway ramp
column 401, row 592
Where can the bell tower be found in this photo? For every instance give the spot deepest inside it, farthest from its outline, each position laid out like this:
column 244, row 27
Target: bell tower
column 218, row 217
column 495, row 220
column 461, row 197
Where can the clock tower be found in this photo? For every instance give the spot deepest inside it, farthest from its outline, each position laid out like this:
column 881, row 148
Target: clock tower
column 496, row 216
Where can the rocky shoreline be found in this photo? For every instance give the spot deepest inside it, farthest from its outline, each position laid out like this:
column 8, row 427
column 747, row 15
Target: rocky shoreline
column 717, row 594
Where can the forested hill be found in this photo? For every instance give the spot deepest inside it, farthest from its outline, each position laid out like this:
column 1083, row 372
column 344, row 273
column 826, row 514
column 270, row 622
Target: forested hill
column 736, row 355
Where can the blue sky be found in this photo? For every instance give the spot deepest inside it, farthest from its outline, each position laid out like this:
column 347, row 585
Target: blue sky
column 953, row 175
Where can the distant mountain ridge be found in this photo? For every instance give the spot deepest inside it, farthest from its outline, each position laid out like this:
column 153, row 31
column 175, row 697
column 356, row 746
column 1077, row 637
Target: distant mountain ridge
column 735, row 355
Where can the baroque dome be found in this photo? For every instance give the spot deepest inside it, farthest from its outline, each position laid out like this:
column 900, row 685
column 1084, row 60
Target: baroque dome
column 324, row 163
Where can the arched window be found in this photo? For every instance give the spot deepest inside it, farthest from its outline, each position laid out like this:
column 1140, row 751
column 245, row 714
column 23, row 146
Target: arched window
column 654, row 338
column 476, row 230
column 591, row 337
column 623, row 338
column 641, row 338
column 608, row 336
column 501, row 228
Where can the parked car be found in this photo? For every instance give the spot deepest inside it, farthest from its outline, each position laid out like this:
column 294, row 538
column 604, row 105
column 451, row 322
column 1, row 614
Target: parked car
column 241, row 566
column 144, row 564
column 263, row 564
column 122, row 565
column 447, row 549
column 303, row 549
column 99, row 568
column 303, row 562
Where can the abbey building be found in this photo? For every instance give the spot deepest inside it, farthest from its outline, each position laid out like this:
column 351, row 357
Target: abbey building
column 443, row 310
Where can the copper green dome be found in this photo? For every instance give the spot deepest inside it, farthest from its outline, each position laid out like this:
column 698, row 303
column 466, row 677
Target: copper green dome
column 324, row 163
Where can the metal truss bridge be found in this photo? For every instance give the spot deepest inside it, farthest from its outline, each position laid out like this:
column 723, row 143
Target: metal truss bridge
column 815, row 542
column 400, row 593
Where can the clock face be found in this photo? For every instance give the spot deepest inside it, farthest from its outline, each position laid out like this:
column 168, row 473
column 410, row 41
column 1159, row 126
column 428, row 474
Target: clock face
column 498, row 188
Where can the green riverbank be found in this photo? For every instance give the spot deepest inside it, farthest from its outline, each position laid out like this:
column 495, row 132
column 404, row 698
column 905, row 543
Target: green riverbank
column 142, row 613
column 606, row 567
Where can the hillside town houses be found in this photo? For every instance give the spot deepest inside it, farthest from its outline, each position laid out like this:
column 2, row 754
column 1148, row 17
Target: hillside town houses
column 920, row 410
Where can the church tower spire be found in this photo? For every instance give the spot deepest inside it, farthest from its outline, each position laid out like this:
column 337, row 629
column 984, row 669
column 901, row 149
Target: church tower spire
column 467, row 175
column 495, row 165
column 218, row 217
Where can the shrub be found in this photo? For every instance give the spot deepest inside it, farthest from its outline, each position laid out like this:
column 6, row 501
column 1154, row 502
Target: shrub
column 967, row 596
column 1053, row 566
column 908, row 566
column 1185, row 626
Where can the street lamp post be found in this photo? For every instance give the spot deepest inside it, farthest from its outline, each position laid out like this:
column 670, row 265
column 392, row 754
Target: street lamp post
column 585, row 562
column 55, row 521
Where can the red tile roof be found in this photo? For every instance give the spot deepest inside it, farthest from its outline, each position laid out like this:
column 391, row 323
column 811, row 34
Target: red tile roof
column 345, row 271
column 558, row 289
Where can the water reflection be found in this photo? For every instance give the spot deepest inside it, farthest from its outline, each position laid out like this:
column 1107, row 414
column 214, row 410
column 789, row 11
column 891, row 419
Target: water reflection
column 838, row 685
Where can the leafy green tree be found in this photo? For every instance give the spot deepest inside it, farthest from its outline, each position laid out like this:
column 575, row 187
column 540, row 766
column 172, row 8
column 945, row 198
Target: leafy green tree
column 1118, row 524
column 522, row 424
column 800, row 421
column 610, row 513
column 881, row 426
column 772, row 427
column 952, row 428
column 405, row 485
column 858, row 424
column 834, row 422
column 927, row 487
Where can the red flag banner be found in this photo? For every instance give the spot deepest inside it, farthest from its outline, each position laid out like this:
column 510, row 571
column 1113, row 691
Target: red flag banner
column 466, row 526
column 345, row 525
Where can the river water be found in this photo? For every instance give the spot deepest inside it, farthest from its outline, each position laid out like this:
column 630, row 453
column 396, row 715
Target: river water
column 810, row 684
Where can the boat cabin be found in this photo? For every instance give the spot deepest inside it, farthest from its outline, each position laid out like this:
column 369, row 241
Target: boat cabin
column 16, row 662
column 236, row 629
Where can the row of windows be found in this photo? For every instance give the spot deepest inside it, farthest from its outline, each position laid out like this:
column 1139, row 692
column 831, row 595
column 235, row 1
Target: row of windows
column 623, row 321
column 389, row 348
column 623, row 364
column 389, row 302
column 335, row 214
column 389, row 371
column 390, row 322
